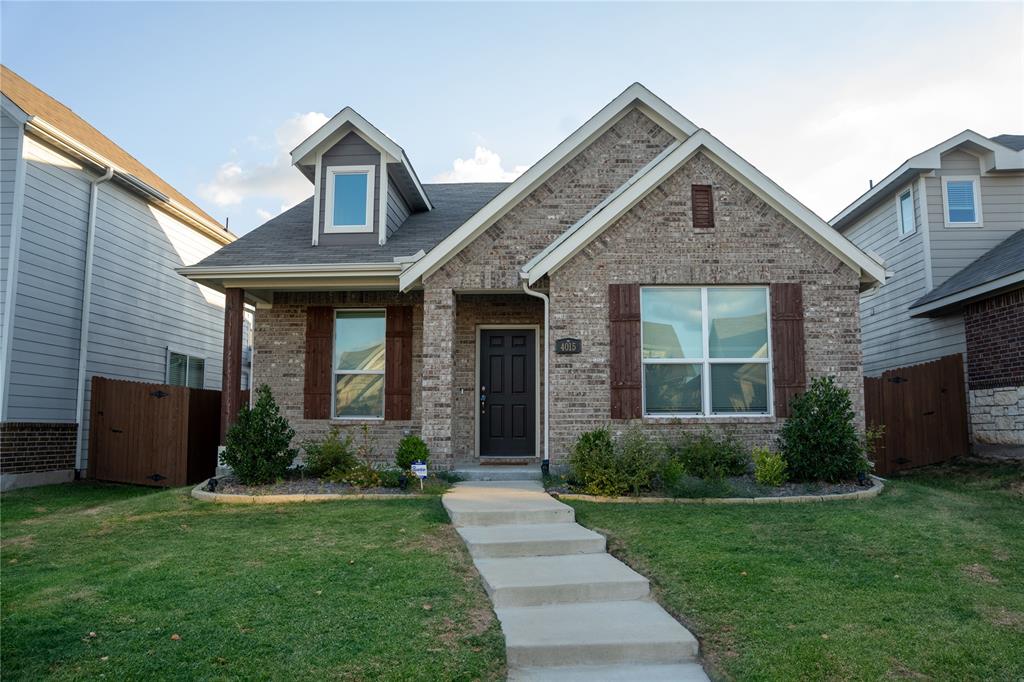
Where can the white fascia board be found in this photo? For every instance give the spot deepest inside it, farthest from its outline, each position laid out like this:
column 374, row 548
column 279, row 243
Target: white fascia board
column 868, row 268
column 636, row 95
column 968, row 294
column 997, row 157
column 325, row 269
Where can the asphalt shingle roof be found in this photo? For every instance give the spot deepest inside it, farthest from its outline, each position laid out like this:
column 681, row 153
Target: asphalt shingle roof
column 1015, row 142
column 285, row 239
column 1005, row 258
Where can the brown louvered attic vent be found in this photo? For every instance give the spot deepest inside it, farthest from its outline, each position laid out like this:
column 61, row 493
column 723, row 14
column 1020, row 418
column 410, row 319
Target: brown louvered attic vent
column 703, row 207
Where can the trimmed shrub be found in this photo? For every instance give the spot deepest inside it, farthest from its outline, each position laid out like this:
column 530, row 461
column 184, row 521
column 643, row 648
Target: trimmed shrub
column 362, row 475
column 769, row 467
column 257, row 443
column 332, row 457
column 601, row 467
column 389, row 478
column 819, row 441
column 411, row 449
column 711, row 459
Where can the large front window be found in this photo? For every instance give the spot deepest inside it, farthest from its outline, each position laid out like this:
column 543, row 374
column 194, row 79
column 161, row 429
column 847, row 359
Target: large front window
column 705, row 350
column 359, row 364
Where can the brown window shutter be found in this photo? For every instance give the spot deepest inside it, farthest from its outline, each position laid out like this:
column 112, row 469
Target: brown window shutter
column 398, row 363
column 317, row 392
column 624, row 350
column 703, row 207
column 788, row 364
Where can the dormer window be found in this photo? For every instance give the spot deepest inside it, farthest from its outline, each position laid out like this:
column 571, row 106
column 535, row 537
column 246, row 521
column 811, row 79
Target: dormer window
column 349, row 199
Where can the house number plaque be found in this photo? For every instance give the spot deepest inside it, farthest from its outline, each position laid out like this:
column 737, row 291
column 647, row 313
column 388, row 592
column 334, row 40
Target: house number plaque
column 568, row 346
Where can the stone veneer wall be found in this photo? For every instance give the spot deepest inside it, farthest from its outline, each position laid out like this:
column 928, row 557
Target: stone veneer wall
column 280, row 360
column 994, row 329
column 655, row 243
column 471, row 311
column 30, row 447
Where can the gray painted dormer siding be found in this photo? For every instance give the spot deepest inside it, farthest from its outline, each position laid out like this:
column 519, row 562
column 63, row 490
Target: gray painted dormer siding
column 351, row 150
column 398, row 208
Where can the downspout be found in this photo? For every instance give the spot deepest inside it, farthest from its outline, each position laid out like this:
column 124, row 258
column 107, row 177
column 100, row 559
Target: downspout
column 545, row 465
column 83, row 338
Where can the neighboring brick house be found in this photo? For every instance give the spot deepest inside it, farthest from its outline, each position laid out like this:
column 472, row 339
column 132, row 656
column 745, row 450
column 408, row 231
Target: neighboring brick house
column 89, row 240
column 641, row 272
column 949, row 225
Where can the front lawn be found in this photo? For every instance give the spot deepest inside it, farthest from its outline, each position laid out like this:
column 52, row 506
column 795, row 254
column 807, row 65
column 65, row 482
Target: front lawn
column 924, row 582
column 127, row 583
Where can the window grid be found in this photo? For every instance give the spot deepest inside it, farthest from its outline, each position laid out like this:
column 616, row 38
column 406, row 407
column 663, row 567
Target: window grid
column 706, row 362
column 336, row 373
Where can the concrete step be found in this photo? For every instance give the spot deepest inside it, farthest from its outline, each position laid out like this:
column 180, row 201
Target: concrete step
column 532, row 581
column 497, row 503
column 681, row 672
column 603, row 633
column 498, row 472
column 524, row 540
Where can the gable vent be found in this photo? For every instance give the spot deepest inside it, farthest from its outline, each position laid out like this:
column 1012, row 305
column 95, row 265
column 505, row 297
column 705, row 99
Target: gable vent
column 703, row 207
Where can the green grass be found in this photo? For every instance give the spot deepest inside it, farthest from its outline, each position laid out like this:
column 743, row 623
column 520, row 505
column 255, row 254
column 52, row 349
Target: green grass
column 926, row 581
column 336, row 590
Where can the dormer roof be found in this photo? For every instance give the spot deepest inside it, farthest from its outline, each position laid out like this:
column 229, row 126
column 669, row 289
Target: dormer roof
column 304, row 157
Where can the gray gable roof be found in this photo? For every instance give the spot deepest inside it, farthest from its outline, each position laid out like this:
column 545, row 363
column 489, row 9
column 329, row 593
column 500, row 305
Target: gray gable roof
column 1005, row 258
column 287, row 238
column 1015, row 142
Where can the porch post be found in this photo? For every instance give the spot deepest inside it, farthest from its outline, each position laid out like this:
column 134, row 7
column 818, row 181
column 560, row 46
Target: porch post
column 231, row 367
column 438, row 369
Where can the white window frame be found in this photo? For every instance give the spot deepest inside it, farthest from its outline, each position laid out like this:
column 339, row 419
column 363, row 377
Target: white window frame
column 976, row 188
column 707, row 361
column 903, row 231
column 331, row 173
column 188, row 362
column 335, row 372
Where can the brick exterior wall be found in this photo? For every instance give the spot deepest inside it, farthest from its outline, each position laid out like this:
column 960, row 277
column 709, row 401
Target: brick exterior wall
column 280, row 361
column 995, row 369
column 995, row 338
column 28, row 447
column 655, row 243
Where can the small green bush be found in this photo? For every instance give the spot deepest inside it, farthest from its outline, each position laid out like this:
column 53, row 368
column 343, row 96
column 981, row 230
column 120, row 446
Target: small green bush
column 707, row 457
column 362, row 475
column 769, row 467
column 256, row 446
column 819, row 440
column 601, row 467
column 411, row 449
column 332, row 457
column 389, row 478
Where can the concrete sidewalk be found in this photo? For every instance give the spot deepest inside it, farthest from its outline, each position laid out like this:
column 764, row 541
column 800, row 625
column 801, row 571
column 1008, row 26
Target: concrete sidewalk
column 569, row 610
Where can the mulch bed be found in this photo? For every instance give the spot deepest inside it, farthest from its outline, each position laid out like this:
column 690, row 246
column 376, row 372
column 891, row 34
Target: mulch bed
column 739, row 486
column 230, row 485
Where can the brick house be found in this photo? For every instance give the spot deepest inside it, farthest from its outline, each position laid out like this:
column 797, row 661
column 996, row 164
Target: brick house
column 640, row 272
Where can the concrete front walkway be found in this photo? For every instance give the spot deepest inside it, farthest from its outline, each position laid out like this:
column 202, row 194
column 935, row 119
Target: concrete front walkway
column 569, row 610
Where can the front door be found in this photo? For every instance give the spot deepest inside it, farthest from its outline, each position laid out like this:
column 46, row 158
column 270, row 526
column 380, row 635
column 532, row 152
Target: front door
column 508, row 393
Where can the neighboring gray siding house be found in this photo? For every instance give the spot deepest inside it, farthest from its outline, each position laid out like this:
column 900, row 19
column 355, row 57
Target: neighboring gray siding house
column 144, row 322
column 501, row 321
column 947, row 225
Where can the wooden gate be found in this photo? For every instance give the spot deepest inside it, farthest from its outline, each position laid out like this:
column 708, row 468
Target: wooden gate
column 924, row 411
column 152, row 434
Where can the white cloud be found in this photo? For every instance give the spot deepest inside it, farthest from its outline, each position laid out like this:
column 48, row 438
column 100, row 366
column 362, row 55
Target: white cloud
column 485, row 166
column 237, row 181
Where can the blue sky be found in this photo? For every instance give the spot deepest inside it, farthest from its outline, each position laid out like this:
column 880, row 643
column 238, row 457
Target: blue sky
column 821, row 97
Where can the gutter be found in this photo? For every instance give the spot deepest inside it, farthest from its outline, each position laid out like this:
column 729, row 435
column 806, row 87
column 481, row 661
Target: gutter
column 83, row 339
column 545, row 465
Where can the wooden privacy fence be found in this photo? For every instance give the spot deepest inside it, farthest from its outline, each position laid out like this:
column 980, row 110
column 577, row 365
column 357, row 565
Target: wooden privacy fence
column 924, row 411
column 152, row 434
